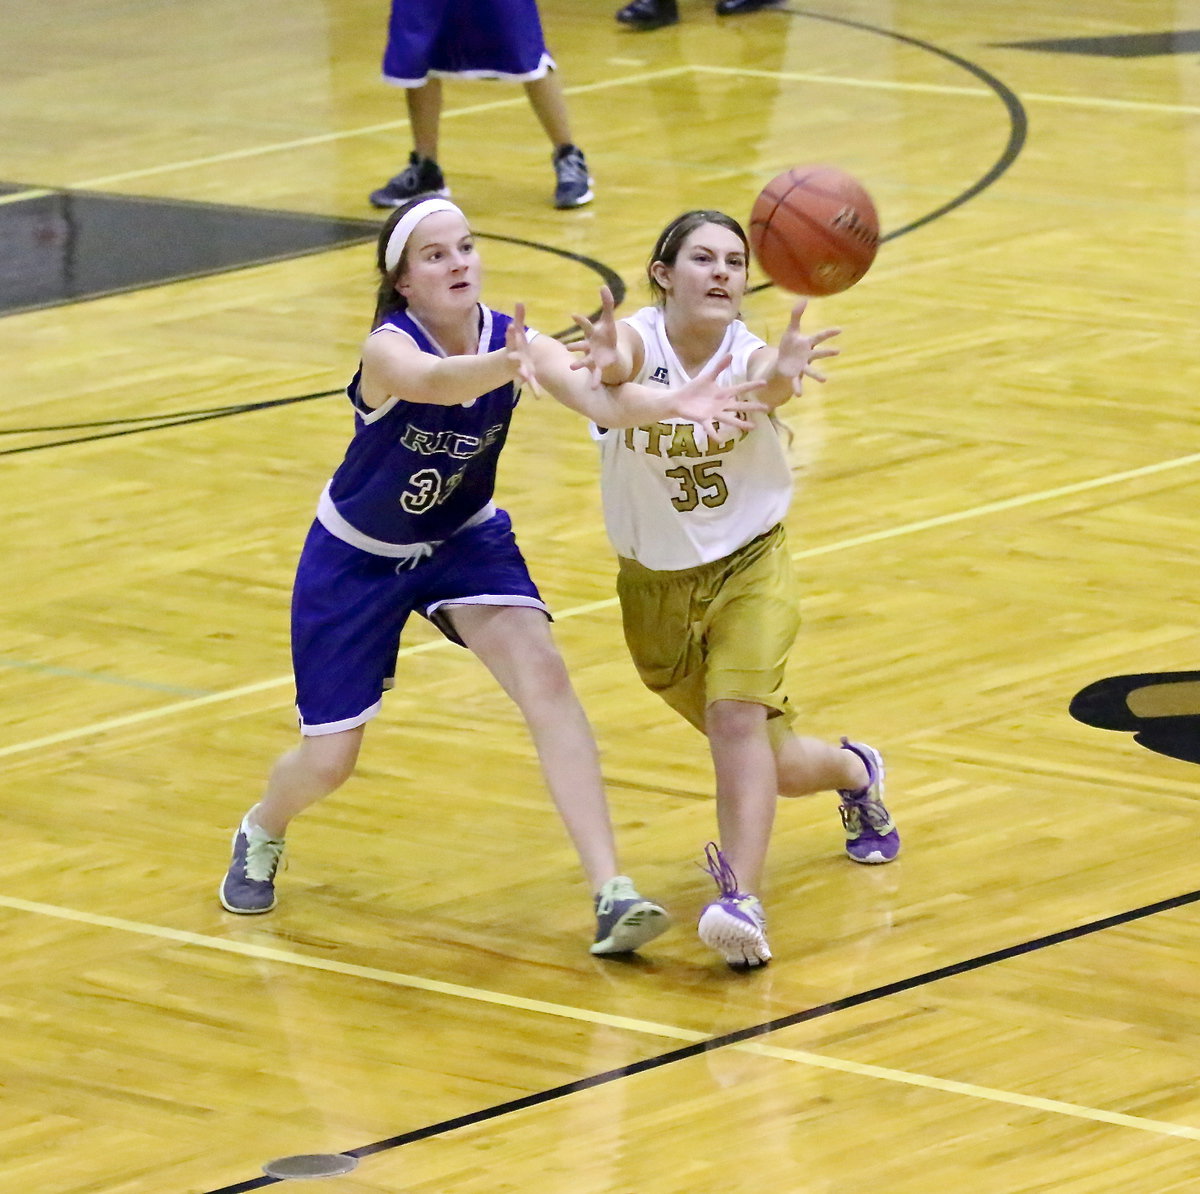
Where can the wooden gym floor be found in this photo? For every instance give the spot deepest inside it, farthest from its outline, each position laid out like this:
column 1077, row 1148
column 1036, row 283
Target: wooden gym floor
column 998, row 506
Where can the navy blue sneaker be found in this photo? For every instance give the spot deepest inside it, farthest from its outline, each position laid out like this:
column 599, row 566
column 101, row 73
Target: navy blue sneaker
column 422, row 176
column 645, row 15
column 573, row 183
column 249, row 886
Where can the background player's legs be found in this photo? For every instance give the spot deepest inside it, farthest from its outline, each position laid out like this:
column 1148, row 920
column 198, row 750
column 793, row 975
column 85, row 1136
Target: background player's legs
column 573, row 183
column 422, row 175
column 425, row 115
column 550, row 107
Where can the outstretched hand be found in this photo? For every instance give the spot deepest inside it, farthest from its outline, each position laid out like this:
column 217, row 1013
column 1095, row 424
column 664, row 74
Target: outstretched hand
column 516, row 345
column 707, row 401
column 797, row 351
column 598, row 348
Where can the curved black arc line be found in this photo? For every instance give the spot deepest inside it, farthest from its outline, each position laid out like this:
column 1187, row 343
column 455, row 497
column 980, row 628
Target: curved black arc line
column 710, row 1045
column 180, row 419
column 610, row 277
column 234, row 408
column 1018, row 122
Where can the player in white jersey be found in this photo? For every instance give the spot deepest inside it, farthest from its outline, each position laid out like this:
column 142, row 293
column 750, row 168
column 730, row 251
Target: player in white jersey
column 408, row 525
column 708, row 596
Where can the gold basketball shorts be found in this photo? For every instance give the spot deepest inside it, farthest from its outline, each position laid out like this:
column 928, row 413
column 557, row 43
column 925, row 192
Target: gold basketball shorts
column 718, row 631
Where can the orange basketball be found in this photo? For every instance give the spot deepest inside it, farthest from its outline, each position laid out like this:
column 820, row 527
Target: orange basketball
column 814, row 230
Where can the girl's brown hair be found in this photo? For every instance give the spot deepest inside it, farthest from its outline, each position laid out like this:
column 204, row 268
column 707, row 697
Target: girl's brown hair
column 671, row 239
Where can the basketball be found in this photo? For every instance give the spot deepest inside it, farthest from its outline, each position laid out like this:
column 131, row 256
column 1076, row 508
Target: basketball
column 814, row 230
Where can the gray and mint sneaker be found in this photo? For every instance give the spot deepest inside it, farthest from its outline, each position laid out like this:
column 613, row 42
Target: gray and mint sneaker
column 871, row 834
column 624, row 920
column 249, row 886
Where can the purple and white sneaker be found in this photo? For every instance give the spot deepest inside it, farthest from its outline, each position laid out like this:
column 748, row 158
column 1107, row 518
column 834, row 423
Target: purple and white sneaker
column 734, row 924
column 871, row 834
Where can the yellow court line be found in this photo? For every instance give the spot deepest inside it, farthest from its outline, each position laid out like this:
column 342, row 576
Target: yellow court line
column 1013, row 503
column 1013, row 1098
column 583, row 89
column 1081, row 101
column 22, row 196
column 212, row 698
column 1096, row 101
column 895, row 532
column 588, row 1016
column 801, row 76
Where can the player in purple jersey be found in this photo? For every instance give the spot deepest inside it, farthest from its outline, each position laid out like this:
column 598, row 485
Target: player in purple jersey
column 429, row 40
column 408, row 523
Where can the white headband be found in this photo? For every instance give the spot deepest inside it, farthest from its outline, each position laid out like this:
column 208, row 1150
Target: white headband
column 407, row 222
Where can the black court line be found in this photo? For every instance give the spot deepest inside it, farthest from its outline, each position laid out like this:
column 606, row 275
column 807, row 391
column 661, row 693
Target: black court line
column 137, row 424
column 711, row 1045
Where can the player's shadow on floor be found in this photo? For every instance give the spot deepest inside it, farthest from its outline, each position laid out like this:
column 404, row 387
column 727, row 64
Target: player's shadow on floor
column 1162, row 709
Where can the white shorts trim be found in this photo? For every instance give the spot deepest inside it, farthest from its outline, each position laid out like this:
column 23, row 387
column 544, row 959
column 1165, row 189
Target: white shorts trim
column 490, row 599
column 542, row 69
column 336, row 727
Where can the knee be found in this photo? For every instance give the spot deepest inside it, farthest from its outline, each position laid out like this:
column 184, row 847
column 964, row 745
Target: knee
column 543, row 675
column 328, row 763
column 730, row 720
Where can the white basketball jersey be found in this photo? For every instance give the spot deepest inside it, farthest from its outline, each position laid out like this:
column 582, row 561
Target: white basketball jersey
column 673, row 499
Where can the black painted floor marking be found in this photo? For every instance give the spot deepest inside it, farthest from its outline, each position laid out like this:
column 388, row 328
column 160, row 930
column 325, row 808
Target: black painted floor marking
column 64, row 246
column 136, row 424
column 1160, row 709
column 1115, row 45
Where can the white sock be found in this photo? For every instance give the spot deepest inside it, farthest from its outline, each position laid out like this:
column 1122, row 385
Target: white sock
column 252, row 829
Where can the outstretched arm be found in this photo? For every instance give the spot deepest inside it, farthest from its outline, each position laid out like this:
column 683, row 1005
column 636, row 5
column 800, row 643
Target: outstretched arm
column 703, row 400
column 392, row 364
column 784, row 368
